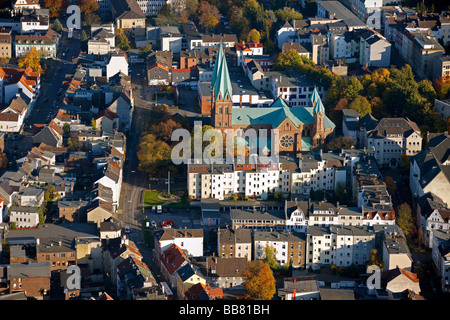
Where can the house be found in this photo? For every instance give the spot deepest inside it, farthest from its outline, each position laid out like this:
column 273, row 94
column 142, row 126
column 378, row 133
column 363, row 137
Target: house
column 19, row 5
column 116, row 62
column 188, row 276
column 129, row 17
column 109, row 230
column 393, row 137
column 255, row 219
column 375, row 50
column 44, row 44
column 171, row 39
column 31, row 278
column 429, row 169
column 395, row 252
column 299, row 288
column 102, row 40
column 34, row 20
column 72, row 211
column 283, row 34
column 440, row 253
column 336, row 10
column 425, row 51
column 51, row 134
column 190, row 240
column 29, row 196
column 15, row 81
column 108, row 187
column 107, row 121
column 116, row 254
column 133, row 274
column 301, row 50
column 251, row 48
column 24, row 217
column 6, row 43
column 172, row 259
column 89, row 253
column 200, row 292
column 290, row 247
column 234, row 243
column 398, row 280
column 12, row 117
column 222, row 272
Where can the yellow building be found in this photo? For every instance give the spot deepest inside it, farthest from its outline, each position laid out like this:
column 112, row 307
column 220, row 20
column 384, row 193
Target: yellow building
column 187, row 277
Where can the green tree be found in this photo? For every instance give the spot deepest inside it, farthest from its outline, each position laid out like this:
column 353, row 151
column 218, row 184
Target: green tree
column 254, row 35
column 66, row 128
column 154, row 156
column 270, row 257
column 122, row 40
column 57, row 25
column 340, row 143
column 404, row 219
column 41, row 216
column 353, row 88
column 360, row 104
column 375, row 258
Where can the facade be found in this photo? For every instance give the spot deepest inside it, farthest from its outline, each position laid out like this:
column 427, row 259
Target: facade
column 440, row 253
column 33, row 279
column 45, row 45
column 441, row 68
column 393, row 137
column 375, row 50
column 290, row 248
column 190, row 240
column 24, row 217
column 442, row 108
column 234, row 243
column 6, row 43
column 129, row 17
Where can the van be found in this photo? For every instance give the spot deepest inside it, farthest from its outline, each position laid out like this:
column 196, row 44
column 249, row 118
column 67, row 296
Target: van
column 159, row 209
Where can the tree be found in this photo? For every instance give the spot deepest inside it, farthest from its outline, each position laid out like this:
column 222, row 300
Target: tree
column 353, row 87
column 57, row 25
column 360, row 104
column 122, row 40
column 53, row 6
column 259, row 282
column 31, row 60
column 88, row 6
column 154, row 155
column 66, row 128
column 163, row 130
column 145, row 49
column 254, row 35
column 340, row 143
column 390, row 185
column 404, row 219
column 270, row 257
column 41, row 216
column 209, row 15
column 375, row 258
column 94, row 124
column 83, row 40
column 91, row 19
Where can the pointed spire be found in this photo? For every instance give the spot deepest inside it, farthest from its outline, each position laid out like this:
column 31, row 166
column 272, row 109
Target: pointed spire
column 316, row 102
column 221, row 82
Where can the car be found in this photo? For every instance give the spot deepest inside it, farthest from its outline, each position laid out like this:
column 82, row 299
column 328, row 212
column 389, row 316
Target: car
column 167, row 226
column 159, row 209
column 153, row 224
column 167, row 222
column 127, row 229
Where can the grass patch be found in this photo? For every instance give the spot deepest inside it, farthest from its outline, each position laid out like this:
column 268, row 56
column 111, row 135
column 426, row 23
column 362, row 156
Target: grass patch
column 151, row 198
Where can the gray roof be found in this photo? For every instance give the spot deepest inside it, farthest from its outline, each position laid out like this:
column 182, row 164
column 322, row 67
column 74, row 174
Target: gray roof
column 30, row 270
column 278, row 236
column 339, row 11
column 248, row 214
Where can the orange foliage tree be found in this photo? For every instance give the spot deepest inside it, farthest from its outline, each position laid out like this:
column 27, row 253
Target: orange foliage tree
column 259, row 283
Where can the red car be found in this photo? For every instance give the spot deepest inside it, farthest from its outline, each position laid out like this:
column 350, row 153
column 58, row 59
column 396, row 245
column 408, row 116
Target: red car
column 167, row 223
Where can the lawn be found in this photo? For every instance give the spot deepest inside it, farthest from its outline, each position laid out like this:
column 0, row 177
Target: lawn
column 151, row 198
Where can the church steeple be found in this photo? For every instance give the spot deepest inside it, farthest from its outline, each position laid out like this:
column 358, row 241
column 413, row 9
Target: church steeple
column 221, row 82
column 316, row 102
column 222, row 92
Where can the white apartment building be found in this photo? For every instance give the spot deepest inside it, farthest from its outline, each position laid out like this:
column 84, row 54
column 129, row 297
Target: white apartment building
column 24, row 217
column 440, row 254
column 190, row 240
column 338, row 245
column 393, row 137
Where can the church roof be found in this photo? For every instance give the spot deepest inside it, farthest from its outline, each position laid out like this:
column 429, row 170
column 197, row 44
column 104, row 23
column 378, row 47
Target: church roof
column 275, row 115
column 221, row 78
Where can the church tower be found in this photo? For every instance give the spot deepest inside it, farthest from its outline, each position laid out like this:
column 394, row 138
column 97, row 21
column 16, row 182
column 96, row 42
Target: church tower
column 315, row 102
column 222, row 93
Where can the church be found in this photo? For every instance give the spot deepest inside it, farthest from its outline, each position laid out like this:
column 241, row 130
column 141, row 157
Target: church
column 300, row 129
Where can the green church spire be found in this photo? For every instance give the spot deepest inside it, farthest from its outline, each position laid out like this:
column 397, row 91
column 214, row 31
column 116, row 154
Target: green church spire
column 220, row 77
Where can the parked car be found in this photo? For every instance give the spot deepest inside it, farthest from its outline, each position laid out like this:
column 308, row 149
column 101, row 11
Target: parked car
column 127, row 229
column 167, row 222
column 159, row 209
column 153, row 224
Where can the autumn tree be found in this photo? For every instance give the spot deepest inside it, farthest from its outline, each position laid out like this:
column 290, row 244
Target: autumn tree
column 353, row 87
column 122, row 40
column 254, row 35
column 209, row 15
column 390, row 185
column 259, row 282
column 53, row 6
column 375, row 258
column 88, row 6
column 57, row 25
column 31, row 60
column 154, row 155
column 340, row 143
column 163, row 130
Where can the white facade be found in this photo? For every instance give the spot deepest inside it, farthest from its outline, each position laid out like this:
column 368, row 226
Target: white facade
column 116, row 64
column 441, row 257
column 192, row 244
column 24, row 217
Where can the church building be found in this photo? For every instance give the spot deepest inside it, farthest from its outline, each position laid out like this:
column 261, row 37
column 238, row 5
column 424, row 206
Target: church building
column 299, row 128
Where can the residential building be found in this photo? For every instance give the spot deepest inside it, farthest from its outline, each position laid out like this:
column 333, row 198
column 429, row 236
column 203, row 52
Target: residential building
column 234, row 243
column 251, row 48
column 32, row 278
column 222, row 272
column 170, row 261
column 17, row 80
column 45, row 45
column 290, row 247
column 12, row 118
column 190, row 240
column 132, row 275
column 129, row 17
column 72, row 211
column 336, row 10
column 429, row 169
column 441, row 68
column 397, row 280
column 375, row 50
column 440, row 253
column 5, row 43
column 442, row 107
column 24, row 217
column 19, row 5
column 188, row 276
column 395, row 252
column 425, row 51
column 259, row 220
column 393, row 137
column 34, row 20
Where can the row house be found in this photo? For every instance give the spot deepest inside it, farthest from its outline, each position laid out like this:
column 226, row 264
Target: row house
column 251, row 48
column 17, row 80
column 132, row 275
column 109, row 185
column 338, row 245
column 234, row 243
column 289, row 247
column 170, row 260
column 45, row 45
column 13, row 117
column 33, row 279
column 375, row 50
column 190, row 240
column 34, row 20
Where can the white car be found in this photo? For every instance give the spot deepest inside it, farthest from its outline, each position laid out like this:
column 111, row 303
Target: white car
column 127, row 229
column 153, row 224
